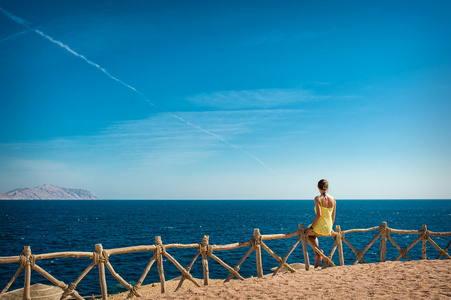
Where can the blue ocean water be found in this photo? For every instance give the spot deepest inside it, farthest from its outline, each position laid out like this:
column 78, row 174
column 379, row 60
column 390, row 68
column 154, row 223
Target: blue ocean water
column 54, row 226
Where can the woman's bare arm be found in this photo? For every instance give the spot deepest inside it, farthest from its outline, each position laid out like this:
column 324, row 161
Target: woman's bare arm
column 333, row 212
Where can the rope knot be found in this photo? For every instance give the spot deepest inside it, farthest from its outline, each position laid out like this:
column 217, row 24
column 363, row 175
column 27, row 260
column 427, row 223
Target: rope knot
column 23, row 261
column 257, row 240
column 71, row 287
column 26, row 260
column 209, row 250
column 159, row 245
column 95, row 257
column 134, row 291
column 100, row 258
column 69, row 290
column 100, row 255
column 205, row 248
column 425, row 232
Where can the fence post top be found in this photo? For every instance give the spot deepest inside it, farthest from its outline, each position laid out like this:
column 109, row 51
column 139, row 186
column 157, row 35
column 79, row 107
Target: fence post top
column 158, row 240
column 26, row 250
column 384, row 224
column 257, row 237
column 99, row 247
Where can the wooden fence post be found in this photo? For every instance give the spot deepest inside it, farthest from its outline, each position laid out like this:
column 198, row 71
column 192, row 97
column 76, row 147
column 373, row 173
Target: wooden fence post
column 25, row 261
column 340, row 245
column 204, row 252
column 425, row 239
column 383, row 241
column 258, row 251
column 304, row 246
column 158, row 253
column 101, row 263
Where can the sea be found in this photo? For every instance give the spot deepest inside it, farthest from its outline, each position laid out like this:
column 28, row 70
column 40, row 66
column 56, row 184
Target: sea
column 49, row 226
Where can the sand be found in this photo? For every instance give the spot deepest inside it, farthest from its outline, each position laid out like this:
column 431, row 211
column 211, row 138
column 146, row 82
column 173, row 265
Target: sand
column 426, row 279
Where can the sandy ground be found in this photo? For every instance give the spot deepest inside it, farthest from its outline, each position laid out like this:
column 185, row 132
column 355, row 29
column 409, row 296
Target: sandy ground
column 429, row 279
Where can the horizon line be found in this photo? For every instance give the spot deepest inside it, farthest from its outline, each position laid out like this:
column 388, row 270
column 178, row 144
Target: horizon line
column 226, row 199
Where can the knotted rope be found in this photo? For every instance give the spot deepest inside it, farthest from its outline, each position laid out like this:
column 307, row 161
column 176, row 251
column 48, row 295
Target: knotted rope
column 68, row 291
column 134, row 292
column 100, row 258
column 27, row 260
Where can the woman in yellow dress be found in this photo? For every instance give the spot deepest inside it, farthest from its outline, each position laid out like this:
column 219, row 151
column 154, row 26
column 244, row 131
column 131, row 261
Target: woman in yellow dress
column 325, row 206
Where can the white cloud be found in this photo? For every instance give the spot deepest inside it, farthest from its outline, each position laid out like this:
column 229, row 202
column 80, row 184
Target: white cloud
column 147, row 155
column 253, row 99
column 160, row 140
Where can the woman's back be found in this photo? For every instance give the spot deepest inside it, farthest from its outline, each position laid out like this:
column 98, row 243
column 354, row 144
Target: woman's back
column 325, row 222
column 326, row 200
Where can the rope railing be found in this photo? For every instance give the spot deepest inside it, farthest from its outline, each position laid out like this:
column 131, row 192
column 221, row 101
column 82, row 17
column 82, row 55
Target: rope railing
column 100, row 258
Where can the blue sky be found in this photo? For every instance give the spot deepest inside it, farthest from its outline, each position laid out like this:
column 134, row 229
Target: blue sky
column 227, row 99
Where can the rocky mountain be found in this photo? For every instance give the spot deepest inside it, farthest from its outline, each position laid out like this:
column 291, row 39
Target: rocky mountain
column 48, row 192
column 4, row 196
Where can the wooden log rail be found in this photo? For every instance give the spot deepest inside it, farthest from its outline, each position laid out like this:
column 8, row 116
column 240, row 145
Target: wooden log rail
column 100, row 257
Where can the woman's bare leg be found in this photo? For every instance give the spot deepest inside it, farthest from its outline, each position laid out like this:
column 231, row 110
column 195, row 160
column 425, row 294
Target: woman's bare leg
column 318, row 258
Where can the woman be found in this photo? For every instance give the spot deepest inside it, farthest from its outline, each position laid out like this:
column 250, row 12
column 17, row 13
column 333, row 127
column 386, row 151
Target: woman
column 325, row 217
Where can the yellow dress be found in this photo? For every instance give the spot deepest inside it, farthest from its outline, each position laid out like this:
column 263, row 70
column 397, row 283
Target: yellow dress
column 324, row 225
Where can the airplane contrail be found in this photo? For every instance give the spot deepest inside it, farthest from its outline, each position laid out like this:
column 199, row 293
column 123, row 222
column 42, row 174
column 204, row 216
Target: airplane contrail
column 14, row 35
column 103, row 70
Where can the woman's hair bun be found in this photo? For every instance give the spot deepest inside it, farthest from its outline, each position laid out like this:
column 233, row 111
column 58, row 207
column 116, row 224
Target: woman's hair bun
column 323, row 184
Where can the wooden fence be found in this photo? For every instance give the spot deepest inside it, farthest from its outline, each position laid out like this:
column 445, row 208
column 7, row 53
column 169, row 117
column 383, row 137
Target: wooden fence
column 100, row 257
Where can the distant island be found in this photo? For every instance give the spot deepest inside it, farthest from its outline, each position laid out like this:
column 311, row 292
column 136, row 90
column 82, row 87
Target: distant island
column 48, row 192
